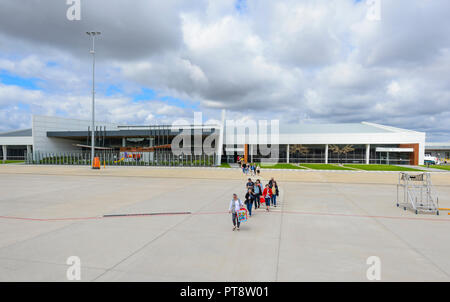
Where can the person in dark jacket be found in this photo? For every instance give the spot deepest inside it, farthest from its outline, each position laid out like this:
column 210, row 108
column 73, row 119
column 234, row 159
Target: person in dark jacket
column 274, row 186
column 249, row 197
column 250, row 184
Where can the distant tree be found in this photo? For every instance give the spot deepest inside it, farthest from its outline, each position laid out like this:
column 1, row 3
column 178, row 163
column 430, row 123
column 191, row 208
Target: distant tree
column 300, row 149
column 303, row 150
column 341, row 150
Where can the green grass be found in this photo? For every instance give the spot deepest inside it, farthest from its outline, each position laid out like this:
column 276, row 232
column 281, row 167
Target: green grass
column 447, row 168
column 11, row 161
column 323, row 167
column 380, row 167
column 225, row 165
column 281, row 166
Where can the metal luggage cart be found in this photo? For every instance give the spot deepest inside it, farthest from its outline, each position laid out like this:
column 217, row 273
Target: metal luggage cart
column 417, row 194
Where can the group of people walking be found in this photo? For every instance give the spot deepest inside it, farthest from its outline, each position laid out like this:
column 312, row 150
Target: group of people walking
column 249, row 168
column 256, row 196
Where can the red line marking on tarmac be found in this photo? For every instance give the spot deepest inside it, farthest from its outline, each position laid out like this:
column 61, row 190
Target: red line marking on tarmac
column 49, row 219
column 225, row 212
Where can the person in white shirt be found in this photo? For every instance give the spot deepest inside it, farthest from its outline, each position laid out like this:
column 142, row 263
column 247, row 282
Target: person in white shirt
column 235, row 205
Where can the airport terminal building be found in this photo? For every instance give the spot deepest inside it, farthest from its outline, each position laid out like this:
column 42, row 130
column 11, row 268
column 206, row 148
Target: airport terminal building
column 364, row 143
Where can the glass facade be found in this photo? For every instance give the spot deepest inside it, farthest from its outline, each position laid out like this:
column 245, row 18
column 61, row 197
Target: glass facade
column 349, row 154
column 344, row 154
column 14, row 152
column 306, row 154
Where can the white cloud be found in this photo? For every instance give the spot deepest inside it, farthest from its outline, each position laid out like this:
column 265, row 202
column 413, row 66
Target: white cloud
column 312, row 60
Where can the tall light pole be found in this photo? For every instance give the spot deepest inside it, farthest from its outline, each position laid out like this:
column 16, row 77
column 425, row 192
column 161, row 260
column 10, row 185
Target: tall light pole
column 93, row 34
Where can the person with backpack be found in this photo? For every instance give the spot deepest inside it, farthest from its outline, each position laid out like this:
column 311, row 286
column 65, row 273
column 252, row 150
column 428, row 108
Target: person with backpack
column 267, row 193
column 235, row 205
column 257, row 190
column 249, row 197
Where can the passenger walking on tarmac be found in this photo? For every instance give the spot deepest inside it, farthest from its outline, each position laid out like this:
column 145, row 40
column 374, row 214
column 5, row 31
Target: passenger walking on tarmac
column 235, row 205
column 249, row 197
column 249, row 184
column 274, row 186
column 253, row 169
column 267, row 193
column 257, row 189
column 244, row 166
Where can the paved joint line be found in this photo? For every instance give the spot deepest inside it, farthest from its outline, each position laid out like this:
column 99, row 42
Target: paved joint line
column 279, row 235
column 154, row 239
column 48, row 262
column 377, row 221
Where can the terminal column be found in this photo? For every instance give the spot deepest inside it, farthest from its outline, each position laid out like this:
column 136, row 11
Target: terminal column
column 28, row 153
column 326, row 153
column 5, row 150
column 367, row 154
column 287, row 153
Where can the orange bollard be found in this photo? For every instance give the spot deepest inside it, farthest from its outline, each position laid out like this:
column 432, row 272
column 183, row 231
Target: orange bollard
column 96, row 164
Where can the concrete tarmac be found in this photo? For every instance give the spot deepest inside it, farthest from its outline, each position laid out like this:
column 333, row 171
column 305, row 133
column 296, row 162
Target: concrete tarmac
column 326, row 226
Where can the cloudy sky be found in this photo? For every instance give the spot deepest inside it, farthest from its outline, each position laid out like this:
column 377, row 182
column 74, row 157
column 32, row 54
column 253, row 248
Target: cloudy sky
column 302, row 61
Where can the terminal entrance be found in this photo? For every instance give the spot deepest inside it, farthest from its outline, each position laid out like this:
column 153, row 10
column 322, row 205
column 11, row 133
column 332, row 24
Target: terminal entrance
column 395, row 156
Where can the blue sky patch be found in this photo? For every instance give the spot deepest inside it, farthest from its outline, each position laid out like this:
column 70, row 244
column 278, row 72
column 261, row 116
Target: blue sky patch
column 148, row 94
column 27, row 83
column 241, row 5
column 52, row 64
column 112, row 90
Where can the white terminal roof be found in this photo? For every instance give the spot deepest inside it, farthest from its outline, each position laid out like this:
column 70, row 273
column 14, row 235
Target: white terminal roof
column 24, row 132
column 16, row 138
column 363, row 127
column 344, row 133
